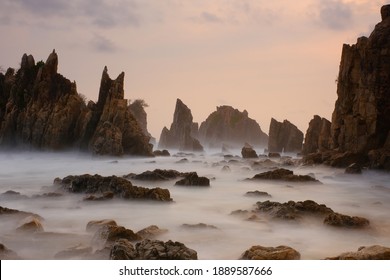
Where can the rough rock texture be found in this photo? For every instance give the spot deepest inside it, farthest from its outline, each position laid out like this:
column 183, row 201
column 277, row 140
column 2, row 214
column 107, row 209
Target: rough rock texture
column 283, row 174
column 374, row 252
column 248, row 152
column 152, row 250
column 156, row 175
column 192, row 179
column 30, row 224
column 318, row 136
column 361, row 118
column 137, row 108
column 96, row 184
column 284, row 136
column 40, row 108
column 181, row 134
column 340, row 220
column 270, row 253
column 230, row 127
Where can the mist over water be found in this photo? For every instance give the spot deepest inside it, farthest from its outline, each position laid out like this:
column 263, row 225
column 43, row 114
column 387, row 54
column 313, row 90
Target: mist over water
column 66, row 217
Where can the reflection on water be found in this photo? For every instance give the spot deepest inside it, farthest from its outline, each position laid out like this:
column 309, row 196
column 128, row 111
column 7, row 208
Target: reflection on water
column 65, row 218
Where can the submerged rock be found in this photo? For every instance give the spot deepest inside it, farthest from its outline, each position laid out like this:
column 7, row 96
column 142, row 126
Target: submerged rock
column 31, row 225
column 199, row 226
column 374, row 252
column 270, row 253
column 257, row 193
column 161, row 153
column 74, row 253
column 95, row 225
column 151, row 232
column 157, row 175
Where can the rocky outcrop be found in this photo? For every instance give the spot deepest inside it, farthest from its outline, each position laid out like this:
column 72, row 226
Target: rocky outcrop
column 374, row 252
column 284, row 137
column 40, row 108
column 230, row 127
column 318, row 136
column 248, row 152
column 181, row 134
column 120, row 187
column 284, row 175
column 137, row 108
column 361, row 118
column 192, row 179
column 151, row 250
column 270, row 253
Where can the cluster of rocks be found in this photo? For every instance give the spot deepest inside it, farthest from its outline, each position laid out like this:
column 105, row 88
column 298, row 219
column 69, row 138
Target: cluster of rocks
column 41, row 108
column 189, row 178
column 292, row 210
column 110, row 186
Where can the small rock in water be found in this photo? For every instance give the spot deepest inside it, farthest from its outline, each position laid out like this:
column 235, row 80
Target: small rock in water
column 270, row 253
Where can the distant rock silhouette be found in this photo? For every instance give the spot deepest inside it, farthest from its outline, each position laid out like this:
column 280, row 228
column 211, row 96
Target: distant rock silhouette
column 181, row 134
column 40, row 108
column 318, row 137
column 284, row 136
column 230, row 127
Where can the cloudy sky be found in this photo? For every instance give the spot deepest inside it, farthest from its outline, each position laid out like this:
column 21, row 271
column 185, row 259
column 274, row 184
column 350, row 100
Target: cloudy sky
column 275, row 59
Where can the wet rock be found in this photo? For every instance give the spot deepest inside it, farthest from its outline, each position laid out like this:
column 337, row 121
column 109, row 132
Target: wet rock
column 96, row 184
column 104, row 196
column 274, row 155
column 270, row 253
column 7, row 254
column 248, row 152
column 374, row 252
column 258, row 193
column 110, row 233
column 283, row 174
column 151, row 232
column 30, row 224
column 192, row 179
column 354, row 168
column 157, row 175
column 95, row 225
column 18, row 214
column 74, row 253
column 340, row 220
column 12, row 195
column 159, row 250
column 161, row 153
column 293, row 210
column 123, row 249
column 199, row 226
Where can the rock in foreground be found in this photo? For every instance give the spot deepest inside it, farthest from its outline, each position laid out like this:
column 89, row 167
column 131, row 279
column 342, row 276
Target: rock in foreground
column 151, row 250
column 270, row 253
column 374, row 252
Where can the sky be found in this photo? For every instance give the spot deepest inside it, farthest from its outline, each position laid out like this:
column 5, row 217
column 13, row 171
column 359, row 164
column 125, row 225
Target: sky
column 276, row 59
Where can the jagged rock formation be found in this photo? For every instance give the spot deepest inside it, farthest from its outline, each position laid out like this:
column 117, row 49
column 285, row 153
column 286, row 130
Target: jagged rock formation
column 230, row 127
column 284, row 136
column 137, row 108
column 318, row 137
column 40, row 108
column 181, row 134
column 361, row 118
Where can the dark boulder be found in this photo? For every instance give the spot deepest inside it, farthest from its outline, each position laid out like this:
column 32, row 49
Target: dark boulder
column 192, row 179
column 284, row 175
column 340, row 220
